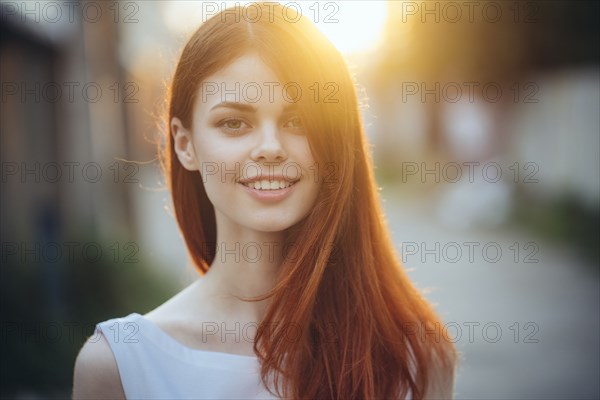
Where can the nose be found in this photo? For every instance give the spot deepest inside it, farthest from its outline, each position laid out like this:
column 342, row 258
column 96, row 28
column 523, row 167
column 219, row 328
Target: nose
column 269, row 147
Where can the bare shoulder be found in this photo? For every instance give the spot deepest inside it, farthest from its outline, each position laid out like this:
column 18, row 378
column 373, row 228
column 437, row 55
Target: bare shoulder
column 96, row 375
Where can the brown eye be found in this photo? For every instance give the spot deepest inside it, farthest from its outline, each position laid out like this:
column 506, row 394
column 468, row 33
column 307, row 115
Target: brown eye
column 233, row 124
column 295, row 122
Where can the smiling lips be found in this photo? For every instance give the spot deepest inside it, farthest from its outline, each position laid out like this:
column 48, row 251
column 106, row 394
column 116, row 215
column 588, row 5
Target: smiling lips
column 268, row 183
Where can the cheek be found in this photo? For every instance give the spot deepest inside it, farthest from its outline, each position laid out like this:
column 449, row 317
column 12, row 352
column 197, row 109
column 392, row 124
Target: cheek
column 211, row 150
column 300, row 151
column 219, row 162
column 310, row 170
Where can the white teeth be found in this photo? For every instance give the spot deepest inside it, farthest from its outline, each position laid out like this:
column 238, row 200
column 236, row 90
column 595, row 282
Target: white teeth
column 268, row 185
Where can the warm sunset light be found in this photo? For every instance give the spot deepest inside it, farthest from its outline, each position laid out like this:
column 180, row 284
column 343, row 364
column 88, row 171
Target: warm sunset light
column 352, row 26
column 359, row 23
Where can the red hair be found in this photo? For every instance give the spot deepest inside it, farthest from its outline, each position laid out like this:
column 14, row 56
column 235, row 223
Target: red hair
column 359, row 317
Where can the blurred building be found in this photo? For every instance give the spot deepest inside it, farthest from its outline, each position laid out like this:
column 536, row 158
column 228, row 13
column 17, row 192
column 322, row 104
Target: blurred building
column 63, row 131
column 62, row 111
column 492, row 84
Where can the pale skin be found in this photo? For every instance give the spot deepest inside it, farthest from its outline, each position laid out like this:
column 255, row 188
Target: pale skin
column 270, row 135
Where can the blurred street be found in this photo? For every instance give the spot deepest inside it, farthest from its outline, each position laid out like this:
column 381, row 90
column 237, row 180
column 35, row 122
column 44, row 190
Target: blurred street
column 556, row 356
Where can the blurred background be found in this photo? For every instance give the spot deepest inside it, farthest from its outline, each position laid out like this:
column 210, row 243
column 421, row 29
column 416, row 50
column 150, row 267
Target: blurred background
column 484, row 123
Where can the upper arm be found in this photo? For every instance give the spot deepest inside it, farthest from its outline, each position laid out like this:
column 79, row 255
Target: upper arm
column 96, row 375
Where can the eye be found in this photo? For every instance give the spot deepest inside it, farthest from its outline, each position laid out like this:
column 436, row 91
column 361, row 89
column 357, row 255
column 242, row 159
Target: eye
column 233, row 124
column 294, row 122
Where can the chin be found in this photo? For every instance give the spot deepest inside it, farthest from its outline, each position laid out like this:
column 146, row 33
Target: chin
column 270, row 226
column 272, row 221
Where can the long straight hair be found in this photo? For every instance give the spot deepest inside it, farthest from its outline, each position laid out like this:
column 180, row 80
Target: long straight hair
column 359, row 320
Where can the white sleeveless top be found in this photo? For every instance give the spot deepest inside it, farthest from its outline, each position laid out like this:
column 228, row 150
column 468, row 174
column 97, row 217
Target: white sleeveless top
column 153, row 365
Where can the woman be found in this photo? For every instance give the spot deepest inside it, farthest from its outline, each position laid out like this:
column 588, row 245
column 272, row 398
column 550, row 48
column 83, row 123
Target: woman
column 303, row 295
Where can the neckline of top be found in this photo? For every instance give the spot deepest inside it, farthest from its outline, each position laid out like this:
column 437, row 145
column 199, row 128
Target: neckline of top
column 174, row 343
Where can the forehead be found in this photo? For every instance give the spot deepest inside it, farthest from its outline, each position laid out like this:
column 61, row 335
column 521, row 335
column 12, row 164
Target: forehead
column 246, row 80
column 247, row 68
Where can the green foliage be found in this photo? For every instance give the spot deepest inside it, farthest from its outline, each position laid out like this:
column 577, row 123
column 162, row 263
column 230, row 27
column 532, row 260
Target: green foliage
column 564, row 219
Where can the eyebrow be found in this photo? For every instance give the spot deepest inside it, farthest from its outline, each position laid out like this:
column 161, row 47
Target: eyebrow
column 248, row 107
column 235, row 106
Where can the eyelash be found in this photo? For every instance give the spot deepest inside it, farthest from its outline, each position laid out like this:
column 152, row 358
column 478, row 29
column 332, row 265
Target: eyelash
column 296, row 118
column 223, row 124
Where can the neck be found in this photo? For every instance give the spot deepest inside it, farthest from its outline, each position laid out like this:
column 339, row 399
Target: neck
column 246, row 265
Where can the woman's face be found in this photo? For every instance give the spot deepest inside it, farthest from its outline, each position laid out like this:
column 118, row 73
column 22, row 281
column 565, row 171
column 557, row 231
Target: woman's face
column 250, row 147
